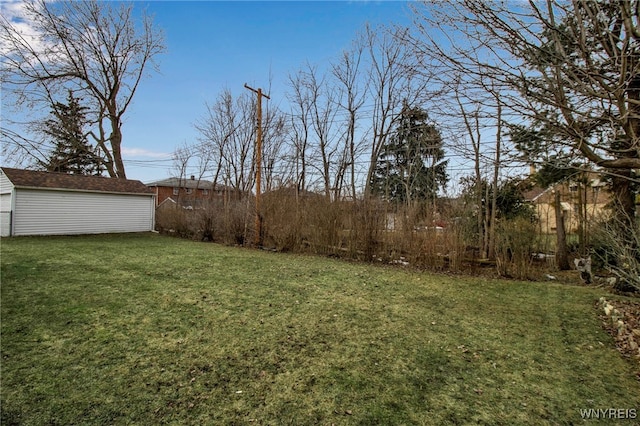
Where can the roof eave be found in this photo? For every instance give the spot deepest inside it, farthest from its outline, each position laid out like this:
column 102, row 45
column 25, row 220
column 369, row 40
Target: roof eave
column 41, row 188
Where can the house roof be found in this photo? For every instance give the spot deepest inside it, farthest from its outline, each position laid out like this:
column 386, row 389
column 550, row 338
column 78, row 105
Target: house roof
column 598, row 192
column 51, row 180
column 534, row 193
column 175, row 182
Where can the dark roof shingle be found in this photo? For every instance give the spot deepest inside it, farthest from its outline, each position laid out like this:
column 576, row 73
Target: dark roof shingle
column 50, row 180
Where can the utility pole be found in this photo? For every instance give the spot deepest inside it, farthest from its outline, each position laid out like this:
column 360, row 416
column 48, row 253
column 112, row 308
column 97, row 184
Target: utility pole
column 258, row 237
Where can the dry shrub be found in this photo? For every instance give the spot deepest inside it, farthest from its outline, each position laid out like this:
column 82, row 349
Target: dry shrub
column 324, row 226
column 175, row 220
column 237, row 222
column 441, row 248
column 312, row 223
column 225, row 221
column 283, row 220
column 415, row 238
column 616, row 250
column 515, row 245
column 365, row 223
column 369, row 230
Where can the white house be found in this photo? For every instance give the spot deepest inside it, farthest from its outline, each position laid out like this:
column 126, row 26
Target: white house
column 44, row 203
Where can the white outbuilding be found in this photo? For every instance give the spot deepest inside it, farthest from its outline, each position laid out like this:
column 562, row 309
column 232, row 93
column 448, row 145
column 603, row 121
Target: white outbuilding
column 45, row 203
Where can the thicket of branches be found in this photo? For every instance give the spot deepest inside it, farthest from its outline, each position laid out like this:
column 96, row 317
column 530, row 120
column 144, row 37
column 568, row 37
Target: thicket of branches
column 550, row 84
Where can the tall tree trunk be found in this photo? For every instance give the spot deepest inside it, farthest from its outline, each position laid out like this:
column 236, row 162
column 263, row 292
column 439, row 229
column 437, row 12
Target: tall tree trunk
column 562, row 254
column 582, row 240
column 116, row 143
column 352, row 154
column 496, row 172
column 487, row 217
column 624, row 197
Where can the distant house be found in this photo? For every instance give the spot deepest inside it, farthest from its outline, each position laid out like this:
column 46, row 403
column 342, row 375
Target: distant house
column 592, row 194
column 190, row 192
column 45, row 203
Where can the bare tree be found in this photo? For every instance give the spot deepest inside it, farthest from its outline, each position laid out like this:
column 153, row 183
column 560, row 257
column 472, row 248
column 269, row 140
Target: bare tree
column 496, row 176
column 300, row 127
column 239, row 157
column 391, row 86
column 347, row 71
column 181, row 159
column 470, row 114
column 322, row 104
column 273, row 147
column 570, row 67
column 216, row 130
column 96, row 49
column 227, row 135
column 228, row 132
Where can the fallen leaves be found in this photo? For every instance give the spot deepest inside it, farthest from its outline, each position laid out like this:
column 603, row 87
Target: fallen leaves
column 622, row 321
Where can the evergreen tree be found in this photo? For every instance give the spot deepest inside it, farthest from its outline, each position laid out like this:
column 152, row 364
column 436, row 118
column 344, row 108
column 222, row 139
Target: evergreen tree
column 411, row 165
column 72, row 152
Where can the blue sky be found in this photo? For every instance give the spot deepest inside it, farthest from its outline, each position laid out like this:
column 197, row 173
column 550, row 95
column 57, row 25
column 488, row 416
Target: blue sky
column 215, row 45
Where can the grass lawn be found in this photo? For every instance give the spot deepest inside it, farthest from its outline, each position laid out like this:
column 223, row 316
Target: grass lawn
column 145, row 329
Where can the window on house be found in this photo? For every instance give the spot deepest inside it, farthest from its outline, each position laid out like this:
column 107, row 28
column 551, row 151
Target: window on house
column 205, row 192
column 176, row 191
column 188, row 190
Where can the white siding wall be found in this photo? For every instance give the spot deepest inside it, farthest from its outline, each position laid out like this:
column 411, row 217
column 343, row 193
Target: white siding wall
column 5, row 224
column 43, row 212
column 5, row 202
column 5, row 184
column 5, row 205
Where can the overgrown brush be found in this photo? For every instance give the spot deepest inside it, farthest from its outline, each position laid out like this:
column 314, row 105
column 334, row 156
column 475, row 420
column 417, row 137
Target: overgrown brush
column 616, row 249
column 366, row 230
column 515, row 244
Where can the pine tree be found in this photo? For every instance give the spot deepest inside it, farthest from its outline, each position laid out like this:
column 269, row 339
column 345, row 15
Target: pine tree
column 72, row 152
column 411, row 166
